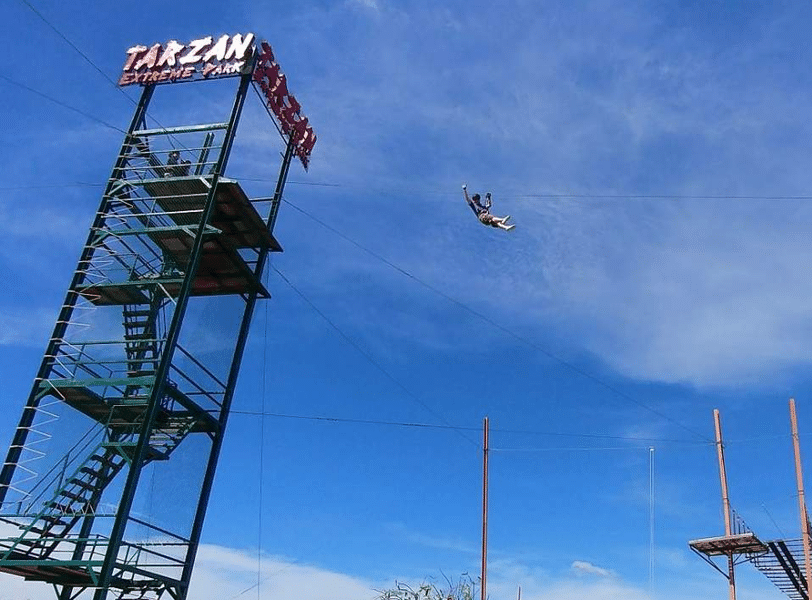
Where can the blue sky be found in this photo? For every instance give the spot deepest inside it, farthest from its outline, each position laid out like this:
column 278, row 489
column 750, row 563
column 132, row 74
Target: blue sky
column 651, row 155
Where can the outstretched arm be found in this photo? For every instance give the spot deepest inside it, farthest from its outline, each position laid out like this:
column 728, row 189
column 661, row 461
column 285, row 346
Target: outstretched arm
column 488, row 200
column 465, row 192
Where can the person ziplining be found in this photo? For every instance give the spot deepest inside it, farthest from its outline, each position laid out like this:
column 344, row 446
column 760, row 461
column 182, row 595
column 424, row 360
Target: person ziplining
column 483, row 211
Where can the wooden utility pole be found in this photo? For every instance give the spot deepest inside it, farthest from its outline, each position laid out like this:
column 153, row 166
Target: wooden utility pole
column 799, row 476
column 485, row 449
column 720, row 451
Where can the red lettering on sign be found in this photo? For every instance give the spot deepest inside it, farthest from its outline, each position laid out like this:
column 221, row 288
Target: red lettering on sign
column 309, row 141
column 291, row 112
column 239, row 46
column 169, row 57
column 201, row 58
column 150, row 58
column 274, row 86
column 217, row 51
column 267, row 53
column 132, row 54
column 298, row 129
column 195, row 48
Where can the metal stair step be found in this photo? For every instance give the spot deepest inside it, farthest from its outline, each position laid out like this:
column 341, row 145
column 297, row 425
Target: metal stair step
column 138, row 317
column 54, row 520
column 107, row 459
column 72, row 496
column 81, row 483
column 146, row 335
column 92, row 472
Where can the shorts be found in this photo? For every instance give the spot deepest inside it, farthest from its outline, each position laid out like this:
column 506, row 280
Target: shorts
column 487, row 218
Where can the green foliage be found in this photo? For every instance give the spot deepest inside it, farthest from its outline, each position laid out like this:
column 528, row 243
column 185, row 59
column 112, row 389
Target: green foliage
column 465, row 588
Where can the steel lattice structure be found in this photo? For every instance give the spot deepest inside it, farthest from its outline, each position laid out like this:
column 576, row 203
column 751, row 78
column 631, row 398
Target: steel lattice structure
column 141, row 396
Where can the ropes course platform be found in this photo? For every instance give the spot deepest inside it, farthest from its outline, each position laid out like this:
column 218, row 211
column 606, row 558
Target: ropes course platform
column 743, row 543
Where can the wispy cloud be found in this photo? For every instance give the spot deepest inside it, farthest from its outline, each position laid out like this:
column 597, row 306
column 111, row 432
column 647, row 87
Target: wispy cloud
column 228, row 574
column 700, row 292
column 582, row 567
column 400, row 531
column 371, row 4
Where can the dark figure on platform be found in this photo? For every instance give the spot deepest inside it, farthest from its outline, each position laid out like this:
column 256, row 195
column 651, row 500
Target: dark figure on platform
column 174, row 167
column 482, row 211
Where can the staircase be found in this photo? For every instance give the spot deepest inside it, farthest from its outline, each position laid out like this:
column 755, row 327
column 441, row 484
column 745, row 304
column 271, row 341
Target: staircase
column 140, row 342
column 783, row 565
column 144, row 593
column 80, row 494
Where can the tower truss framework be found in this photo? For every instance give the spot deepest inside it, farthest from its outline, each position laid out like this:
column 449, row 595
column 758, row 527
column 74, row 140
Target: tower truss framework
column 105, row 486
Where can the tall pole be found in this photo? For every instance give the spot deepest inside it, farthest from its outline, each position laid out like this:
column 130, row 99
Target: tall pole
column 720, row 450
column 799, row 476
column 485, row 449
column 651, row 522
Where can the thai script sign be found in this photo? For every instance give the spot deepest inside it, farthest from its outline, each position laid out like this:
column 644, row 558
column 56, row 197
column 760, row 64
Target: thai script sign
column 204, row 58
column 279, row 101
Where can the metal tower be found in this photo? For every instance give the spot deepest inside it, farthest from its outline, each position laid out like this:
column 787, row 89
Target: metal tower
column 105, row 486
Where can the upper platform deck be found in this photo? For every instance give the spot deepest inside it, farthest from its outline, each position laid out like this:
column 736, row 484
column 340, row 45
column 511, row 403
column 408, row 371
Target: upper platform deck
column 743, row 543
column 181, row 198
column 169, row 216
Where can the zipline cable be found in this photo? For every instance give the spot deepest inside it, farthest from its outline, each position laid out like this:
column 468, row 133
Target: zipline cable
column 367, row 355
column 62, row 104
column 444, row 193
column 498, row 326
column 408, row 424
column 98, row 69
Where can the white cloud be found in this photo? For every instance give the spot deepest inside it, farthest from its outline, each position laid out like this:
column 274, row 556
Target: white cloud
column 706, row 297
column 228, row 574
column 224, row 574
column 582, row 567
column 371, row 4
column 702, row 292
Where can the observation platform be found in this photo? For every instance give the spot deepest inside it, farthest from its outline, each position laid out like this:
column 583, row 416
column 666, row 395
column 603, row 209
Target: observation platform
column 241, row 225
column 83, row 573
column 123, row 412
column 235, row 225
column 67, row 572
column 743, row 543
column 230, row 278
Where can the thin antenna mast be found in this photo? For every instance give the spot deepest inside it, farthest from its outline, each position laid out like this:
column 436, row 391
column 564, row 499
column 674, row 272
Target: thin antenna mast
column 485, row 448
column 651, row 522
